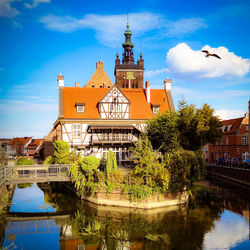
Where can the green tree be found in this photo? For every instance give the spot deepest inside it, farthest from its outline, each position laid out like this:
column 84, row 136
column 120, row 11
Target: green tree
column 190, row 128
column 84, row 174
column 111, row 163
column 149, row 164
column 162, row 131
column 61, row 153
column 197, row 126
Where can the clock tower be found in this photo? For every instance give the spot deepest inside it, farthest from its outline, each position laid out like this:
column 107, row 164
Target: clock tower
column 128, row 74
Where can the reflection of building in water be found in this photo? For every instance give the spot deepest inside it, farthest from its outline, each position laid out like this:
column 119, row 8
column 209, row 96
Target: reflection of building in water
column 68, row 241
column 235, row 197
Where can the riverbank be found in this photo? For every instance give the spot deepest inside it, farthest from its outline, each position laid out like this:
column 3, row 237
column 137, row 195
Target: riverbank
column 117, row 199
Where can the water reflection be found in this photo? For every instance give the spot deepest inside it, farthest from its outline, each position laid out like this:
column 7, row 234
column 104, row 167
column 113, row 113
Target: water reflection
column 210, row 221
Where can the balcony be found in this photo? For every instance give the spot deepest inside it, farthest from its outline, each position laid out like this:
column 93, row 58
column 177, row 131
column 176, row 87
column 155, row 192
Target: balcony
column 113, row 138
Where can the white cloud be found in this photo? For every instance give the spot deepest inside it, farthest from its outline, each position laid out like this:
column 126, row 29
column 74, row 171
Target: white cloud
column 6, row 10
column 35, row 3
column 110, row 27
column 184, row 26
column 226, row 234
column 226, row 114
column 151, row 73
column 184, row 61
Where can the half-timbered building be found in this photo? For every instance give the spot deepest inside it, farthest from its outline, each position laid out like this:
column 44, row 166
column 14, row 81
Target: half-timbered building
column 93, row 120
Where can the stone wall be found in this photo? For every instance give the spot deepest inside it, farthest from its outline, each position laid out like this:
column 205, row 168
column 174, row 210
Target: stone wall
column 117, row 199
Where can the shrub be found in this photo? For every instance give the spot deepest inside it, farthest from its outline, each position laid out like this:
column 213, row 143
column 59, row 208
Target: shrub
column 115, row 177
column 49, row 160
column 61, row 153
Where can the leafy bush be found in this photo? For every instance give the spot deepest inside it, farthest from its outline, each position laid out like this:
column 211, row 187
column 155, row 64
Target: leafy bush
column 138, row 192
column 24, row 161
column 115, row 177
column 61, row 153
column 49, row 160
column 84, row 174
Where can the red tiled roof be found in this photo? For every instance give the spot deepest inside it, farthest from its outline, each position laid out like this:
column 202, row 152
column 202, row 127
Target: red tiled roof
column 235, row 124
column 19, row 140
column 34, row 143
column 139, row 108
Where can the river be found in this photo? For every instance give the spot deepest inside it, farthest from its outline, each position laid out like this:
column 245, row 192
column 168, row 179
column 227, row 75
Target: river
column 47, row 216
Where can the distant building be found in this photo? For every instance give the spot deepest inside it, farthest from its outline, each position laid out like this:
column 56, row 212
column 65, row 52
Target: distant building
column 235, row 140
column 96, row 118
column 33, row 147
column 99, row 79
column 17, row 146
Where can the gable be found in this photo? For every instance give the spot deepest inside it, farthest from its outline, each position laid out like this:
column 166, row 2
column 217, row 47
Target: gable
column 114, row 94
column 114, row 105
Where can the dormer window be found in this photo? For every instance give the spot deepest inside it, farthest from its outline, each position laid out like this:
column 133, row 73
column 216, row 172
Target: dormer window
column 156, row 109
column 229, row 127
column 80, row 107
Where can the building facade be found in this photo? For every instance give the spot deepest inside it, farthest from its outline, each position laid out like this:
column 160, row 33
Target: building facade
column 95, row 119
column 234, row 145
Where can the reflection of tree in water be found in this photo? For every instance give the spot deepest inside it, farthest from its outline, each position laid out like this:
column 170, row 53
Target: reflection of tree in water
column 181, row 229
column 116, row 228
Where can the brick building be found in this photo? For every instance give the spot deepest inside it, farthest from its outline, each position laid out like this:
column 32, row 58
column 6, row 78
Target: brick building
column 94, row 119
column 235, row 140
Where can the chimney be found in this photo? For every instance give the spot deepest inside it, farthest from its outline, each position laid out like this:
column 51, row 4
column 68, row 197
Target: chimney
column 167, row 87
column 148, row 91
column 77, row 85
column 167, row 84
column 99, row 65
column 60, row 80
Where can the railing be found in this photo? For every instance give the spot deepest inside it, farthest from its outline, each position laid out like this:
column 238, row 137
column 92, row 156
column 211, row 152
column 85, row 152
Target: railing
column 230, row 164
column 113, row 138
column 34, row 173
column 5, row 172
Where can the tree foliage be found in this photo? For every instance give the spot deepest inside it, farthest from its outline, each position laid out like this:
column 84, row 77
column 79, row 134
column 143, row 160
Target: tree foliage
column 190, row 128
column 61, row 153
column 111, row 163
column 149, row 164
column 84, row 174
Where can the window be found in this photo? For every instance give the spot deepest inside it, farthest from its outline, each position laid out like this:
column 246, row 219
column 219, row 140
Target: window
column 156, row 109
column 80, row 108
column 247, row 126
column 229, row 127
column 226, row 140
column 76, row 130
column 244, row 140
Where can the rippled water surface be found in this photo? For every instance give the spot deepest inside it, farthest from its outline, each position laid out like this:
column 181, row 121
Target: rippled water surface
column 46, row 216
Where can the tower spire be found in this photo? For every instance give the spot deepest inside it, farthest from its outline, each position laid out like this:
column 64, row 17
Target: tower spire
column 128, row 54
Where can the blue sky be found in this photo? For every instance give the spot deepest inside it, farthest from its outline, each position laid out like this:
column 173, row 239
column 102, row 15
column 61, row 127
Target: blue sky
column 42, row 38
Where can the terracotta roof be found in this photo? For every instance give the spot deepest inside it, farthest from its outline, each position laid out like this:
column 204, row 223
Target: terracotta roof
column 34, row 143
column 235, row 124
column 19, row 140
column 139, row 108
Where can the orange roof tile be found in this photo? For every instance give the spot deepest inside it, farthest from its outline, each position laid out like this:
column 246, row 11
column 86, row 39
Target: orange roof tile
column 19, row 140
column 235, row 124
column 139, row 108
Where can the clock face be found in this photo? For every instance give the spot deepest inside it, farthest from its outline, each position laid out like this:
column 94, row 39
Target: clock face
column 130, row 75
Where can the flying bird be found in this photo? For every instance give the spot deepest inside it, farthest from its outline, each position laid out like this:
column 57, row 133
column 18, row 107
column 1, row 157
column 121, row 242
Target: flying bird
column 209, row 54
